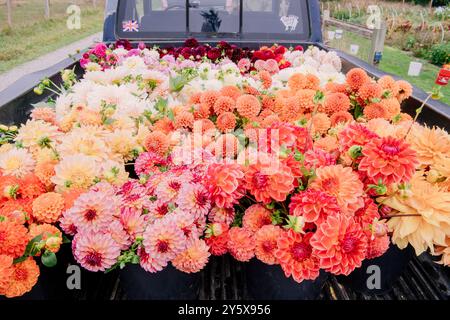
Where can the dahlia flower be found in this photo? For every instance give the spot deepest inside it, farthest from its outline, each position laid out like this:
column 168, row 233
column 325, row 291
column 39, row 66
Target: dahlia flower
column 95, row 251
column 336, row 102
column 194, row 199
column 315, row 206
column 340, row 244
column 50, row 234
column 318, row 158
column 24, row 276
column 296, row 256
column 13, row 238
column 48, row 207
column 369, row 91
column 133, row 221
column 86, row 141
column 255, row 217
column 342, row 183
column 6, row 272
column 163, row 241
column 37, row 133
column 430, row 227
column 248, row 106
column 16, row 162
column 148, row 263
column 149, row 162
column 30, row 187
column 266, row 243
column 194, row 258
column 157, row 142
column 217, row 238
column 77, row 171
column 355, row 134
column 429, row 143
column 356, row 78
column 389, row 159
column 241, row 244
column 93, row 211
column 222, row 215
column 267, row 181
column 45, row 114
column 377, row 246
column 223, row 184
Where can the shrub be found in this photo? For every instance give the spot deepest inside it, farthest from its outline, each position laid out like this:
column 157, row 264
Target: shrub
column 439, row 54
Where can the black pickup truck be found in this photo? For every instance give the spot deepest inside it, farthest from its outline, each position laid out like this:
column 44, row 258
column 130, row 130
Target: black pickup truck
column 171, row 22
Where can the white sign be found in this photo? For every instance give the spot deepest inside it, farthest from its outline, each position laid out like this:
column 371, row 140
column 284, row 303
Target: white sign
column 290, row 22
column 414, row 69
column 331, row 35
column 354, row 49
column 339, row 33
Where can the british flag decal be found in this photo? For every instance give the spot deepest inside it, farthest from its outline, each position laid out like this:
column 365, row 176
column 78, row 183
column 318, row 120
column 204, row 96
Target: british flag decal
column 130, row 26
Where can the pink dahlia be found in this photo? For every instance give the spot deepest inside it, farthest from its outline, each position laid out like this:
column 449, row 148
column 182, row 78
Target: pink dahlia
column 223, row 184
column 149, row 162
column 93, row 211
column 169, row 188
column 296, row 257
column 266, row 243
column 340, row 244
column 95, row 251
column 119, row 235
column 225, row 215
column 315, row 206
column 67, row 223
column 132, row 221
column 148, row 263
column 194, row 258
column 367, row 214
column 377, row 246
column 185, row 221
column 255, row 217
column 355, row 134
column 163, row 241
column 194, row 199
column 241, row 244
column 267, row 181
column 217, row 238
column 318, row 158
column 389, row 159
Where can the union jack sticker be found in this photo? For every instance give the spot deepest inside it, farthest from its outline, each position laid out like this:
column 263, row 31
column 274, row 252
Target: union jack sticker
column 130, row 26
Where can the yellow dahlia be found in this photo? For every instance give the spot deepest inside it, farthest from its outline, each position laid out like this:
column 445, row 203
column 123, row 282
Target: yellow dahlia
column 16, row 162
column 37, row 133
column 76, row 171
column 429, row 143
column 430, row 224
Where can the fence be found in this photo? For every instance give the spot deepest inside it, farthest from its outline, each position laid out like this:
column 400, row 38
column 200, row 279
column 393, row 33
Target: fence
column 358, row 40
column 20, row 13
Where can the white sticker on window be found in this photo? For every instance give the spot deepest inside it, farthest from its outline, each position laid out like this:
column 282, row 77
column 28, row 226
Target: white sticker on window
column 290, row 22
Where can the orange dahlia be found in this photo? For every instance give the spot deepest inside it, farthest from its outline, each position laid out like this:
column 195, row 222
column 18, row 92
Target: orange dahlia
column 203, row 125
column 70, row 196
column 223, row 182
column 268, row 181
column 6, row 272
column 376, row 110
column 9, row 187
column 31, row 186
column 45, row 171
column 195, row 98
column 405, row 90
column 291, row 110
column 265, row 78
column 342, row 183
column 340, row 117
column 320, row 123
column 370, row 91
column 231, row 91
column 184, row 119
column 266, row 243
column 224, row 104
column 389, row 159
column 157, row 142
column 248, row 106
column 24, row 277
column 297, row 82
column 366, row 215
column 327, row 143
column 335, row 87
column 194, row 258
column 241, row 244
column 209, row 98
column 48, row 207
column 336, row 102
column 392, row 106
column 226, row 122
column 355, row 134
column 315, row 206
column 164, row 125
column 296, row 257
column 356, row 78
column 389, row 84
column 268, row 102
column 313, row 82
column 13, row 238
column 226, row 145
column 255, row 217
column 13, row 211
column 340, row 244
column 305, row 98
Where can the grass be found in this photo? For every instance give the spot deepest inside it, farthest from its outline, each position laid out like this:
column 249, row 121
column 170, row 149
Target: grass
column 27, row 41
column 394, row 61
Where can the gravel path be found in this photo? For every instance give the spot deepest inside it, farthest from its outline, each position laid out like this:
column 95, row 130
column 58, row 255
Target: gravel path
column 46, row 61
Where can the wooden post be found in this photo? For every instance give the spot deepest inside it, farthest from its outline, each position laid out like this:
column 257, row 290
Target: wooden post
column 94, row 3
column 8, row 10
column 378, row 38
column 47, row 9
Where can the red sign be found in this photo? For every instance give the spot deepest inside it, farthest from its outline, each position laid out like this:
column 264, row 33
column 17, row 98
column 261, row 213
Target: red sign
column 443, row 76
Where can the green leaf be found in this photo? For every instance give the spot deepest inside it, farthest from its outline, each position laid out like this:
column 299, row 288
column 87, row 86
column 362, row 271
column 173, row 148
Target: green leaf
column 29, row 248
column 161, row 105
column 177, row 84
column 49, row 259
column 358, row 111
